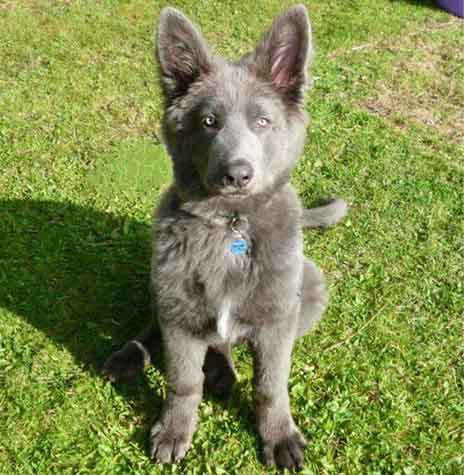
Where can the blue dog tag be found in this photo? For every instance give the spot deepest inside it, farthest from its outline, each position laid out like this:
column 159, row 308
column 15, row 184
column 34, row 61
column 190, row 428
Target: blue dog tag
column 239, row 246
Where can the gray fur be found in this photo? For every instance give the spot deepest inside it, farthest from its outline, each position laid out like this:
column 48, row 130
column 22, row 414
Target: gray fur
column 325, row 215
column 234, row 131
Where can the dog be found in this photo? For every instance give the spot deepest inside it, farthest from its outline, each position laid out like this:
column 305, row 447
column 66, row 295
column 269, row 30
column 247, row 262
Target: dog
column 228, row 263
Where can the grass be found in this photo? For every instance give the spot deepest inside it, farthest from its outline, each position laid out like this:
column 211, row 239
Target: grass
column 378, row 387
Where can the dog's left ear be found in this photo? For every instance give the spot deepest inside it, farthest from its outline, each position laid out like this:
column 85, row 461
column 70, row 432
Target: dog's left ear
column 284, row 53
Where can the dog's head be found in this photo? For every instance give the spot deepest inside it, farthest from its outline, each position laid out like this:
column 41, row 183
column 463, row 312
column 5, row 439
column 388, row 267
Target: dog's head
column 234, row 129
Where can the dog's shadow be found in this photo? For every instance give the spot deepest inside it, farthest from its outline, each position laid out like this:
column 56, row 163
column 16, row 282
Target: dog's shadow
column 80, row 276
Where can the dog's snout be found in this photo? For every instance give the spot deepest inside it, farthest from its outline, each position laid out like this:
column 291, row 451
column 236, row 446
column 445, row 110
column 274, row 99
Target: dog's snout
column 238, row 174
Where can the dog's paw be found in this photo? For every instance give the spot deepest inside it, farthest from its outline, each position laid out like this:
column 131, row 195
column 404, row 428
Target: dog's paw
column 286, row 452
column 168, row 445
column 126, row 363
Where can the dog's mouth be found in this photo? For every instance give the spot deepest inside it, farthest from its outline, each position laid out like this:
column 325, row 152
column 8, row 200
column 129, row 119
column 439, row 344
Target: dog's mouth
column 234, row 193
column 228, row 192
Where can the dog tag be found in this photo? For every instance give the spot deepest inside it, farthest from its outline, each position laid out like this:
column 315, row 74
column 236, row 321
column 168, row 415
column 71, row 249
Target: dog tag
column 239, row 246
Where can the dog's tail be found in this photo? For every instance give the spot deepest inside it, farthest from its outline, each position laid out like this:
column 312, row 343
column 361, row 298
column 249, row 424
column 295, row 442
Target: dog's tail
column 325, row 215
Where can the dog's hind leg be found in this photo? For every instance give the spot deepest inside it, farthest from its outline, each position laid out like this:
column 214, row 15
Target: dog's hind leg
column 126, row 363
column 219, row 371
column 314, row 298
column 130, row 360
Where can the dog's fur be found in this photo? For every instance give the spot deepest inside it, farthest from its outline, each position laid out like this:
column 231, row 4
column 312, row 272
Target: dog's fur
column 234, row 131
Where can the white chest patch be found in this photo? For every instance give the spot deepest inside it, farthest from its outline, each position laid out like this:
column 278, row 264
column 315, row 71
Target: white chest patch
column 224, row 319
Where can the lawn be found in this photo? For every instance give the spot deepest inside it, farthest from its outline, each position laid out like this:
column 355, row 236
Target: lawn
column 378, row 388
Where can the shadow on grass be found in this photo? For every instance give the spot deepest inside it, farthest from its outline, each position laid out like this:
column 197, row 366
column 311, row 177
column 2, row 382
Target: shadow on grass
column 432, row 4
column 81, row 277
column 420, row 3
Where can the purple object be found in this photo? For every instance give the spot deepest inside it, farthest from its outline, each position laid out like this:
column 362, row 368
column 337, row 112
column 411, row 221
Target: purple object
column 453, row 6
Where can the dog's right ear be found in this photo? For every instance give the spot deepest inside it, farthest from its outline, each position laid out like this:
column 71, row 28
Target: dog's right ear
column 181, row 52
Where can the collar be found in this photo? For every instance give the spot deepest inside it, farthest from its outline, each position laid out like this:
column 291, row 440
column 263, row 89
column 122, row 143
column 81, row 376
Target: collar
column 211, row 211
column 235, row 221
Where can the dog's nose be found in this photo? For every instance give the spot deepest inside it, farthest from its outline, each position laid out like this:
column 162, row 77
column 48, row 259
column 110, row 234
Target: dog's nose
column 238, row 174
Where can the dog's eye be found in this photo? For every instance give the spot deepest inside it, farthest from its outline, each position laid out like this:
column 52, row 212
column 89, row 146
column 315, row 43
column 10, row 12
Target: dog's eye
column 209, row 120
column 263, row 122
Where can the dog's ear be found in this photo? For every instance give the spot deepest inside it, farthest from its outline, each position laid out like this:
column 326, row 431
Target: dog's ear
column 181, row 52
column 283, row 55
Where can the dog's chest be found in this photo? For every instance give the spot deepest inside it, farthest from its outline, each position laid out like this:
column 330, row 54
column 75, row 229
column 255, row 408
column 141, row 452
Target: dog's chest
column 215, row 267
column 225, row 320
column 228, row 277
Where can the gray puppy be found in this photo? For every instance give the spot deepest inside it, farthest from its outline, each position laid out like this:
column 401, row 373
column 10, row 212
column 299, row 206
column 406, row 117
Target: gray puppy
column 228, row 262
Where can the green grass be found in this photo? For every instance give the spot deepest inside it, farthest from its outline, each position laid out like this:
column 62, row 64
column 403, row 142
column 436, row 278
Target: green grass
column 378, row 387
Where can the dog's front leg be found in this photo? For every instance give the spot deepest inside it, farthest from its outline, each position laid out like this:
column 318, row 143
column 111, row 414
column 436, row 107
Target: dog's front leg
column 283, row 442
column 171, row 436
